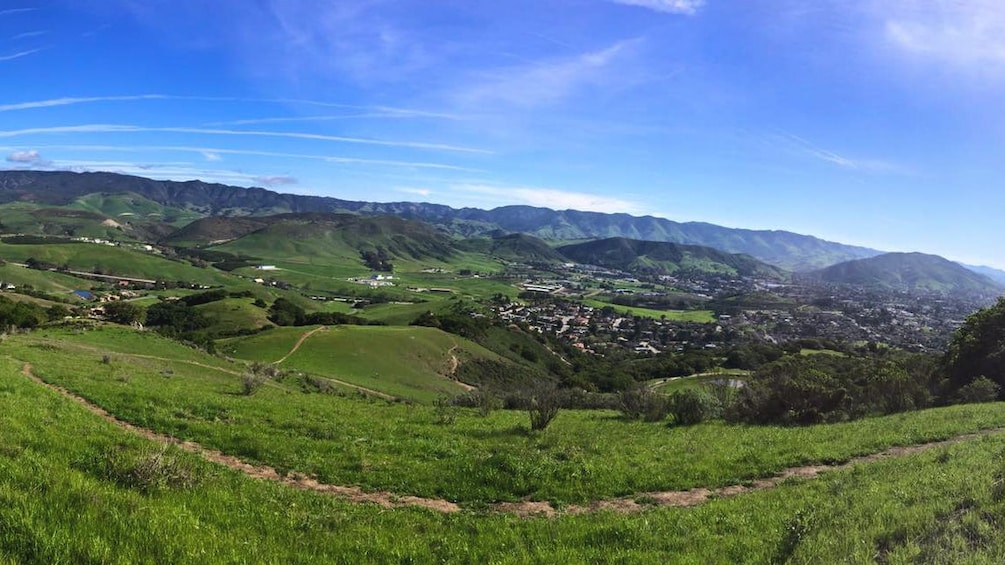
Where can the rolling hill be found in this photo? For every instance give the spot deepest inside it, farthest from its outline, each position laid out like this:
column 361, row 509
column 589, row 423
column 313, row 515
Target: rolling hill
column 516, row 247
column 665, row 258
column 784, row 249
column 910, row 272
column 312, row 236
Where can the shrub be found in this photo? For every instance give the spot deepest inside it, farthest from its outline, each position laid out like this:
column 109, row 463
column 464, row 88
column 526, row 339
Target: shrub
column 643, row 403
column 148, row 470
column 981, row 389
column 543, row 405
column 693, row 406
column 445, row 410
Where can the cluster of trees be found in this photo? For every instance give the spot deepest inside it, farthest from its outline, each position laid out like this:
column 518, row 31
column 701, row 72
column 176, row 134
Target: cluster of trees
column 26, row 315
column 285, row 312
column 377, row 259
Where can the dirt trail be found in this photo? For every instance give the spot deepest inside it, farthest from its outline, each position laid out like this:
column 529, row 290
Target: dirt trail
column 452, row 369
column 300, row 342
column 686, row 498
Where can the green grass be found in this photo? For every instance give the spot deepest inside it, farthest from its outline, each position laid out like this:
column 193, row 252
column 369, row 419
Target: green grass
column 697, row 316
column 63, row 499
column 232, row 314
column 822, row 352
column 695, row 381
column 46, row 281
column 406, row 362
column 116, row 260
column 583, row 456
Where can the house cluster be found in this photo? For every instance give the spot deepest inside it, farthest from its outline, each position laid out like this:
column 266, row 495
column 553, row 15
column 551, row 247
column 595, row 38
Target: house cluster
column 374, row 281
column 597, row 330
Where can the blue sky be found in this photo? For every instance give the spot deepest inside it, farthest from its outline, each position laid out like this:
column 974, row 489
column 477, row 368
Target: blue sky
column 876, row 122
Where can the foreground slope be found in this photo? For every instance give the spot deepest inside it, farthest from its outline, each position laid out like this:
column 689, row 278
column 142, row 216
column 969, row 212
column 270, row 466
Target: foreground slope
column 81, row 489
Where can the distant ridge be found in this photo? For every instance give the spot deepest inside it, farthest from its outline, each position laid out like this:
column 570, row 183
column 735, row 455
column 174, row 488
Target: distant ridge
column 661, row 257
column 781, row 248
column 909, row 272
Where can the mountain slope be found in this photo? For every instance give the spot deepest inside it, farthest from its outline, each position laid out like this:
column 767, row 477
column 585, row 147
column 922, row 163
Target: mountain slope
column 664, row 257
column 516, row 247
column 785, row 249
column 317, row 236
column 908, row 271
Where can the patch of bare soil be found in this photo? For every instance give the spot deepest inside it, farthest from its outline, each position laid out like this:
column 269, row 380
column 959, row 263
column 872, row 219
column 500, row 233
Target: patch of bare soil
column 300, row 342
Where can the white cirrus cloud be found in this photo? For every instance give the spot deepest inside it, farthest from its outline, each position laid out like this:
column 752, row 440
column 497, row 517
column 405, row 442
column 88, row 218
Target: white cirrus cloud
column 20, row 54
column 551, row 80
column 551, row 198
column 126, row 128
column 685, row 7
column 419, row 191
column 961, row 33
column 211, row 156
column 275, row 180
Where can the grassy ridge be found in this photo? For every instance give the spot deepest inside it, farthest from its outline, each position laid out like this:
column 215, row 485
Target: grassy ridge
column 115, row 260
column 408, row 362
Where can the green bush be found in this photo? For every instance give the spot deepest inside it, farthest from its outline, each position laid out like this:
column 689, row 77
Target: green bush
column 982, row 389
column 693, row 406
column 643, row 403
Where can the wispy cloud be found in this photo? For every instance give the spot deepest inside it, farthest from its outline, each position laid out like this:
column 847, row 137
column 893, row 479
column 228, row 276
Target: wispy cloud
column 961, row 33
column 368, row 111
column 29, row 157
column 29, row 34
column 686, row 7
column 418, row 191
column 20, row 54
column 16, row 11
column 551, row 80
column 208, row 152
column 67, row 101
column 853, row 164
column 308, row 119
column 275, row 180
column 551, row 198
column 115, row 128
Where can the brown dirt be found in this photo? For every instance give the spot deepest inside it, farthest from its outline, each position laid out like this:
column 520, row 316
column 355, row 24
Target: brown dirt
column 527, row 509
column 300, row 342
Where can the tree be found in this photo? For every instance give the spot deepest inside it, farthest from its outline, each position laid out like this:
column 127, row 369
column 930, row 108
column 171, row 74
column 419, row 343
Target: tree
column 978, row 348
column 125, row 313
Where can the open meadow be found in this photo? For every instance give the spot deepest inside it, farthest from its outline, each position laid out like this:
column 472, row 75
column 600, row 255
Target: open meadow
column 76, row 488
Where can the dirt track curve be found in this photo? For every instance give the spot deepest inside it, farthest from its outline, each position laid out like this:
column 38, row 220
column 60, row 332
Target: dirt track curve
column 354, row 494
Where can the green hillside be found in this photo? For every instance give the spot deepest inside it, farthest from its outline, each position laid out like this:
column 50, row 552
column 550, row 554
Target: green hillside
column 516, row 247
column 112, row 260
column 420, row 367
column 911, row 272
column 665, row 258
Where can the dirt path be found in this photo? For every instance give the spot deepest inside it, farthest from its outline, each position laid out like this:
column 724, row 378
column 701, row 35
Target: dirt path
column 685, row 498
column 300, row 342
column 452, row 369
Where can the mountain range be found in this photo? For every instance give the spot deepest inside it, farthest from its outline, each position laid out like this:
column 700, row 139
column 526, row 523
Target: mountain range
column 784, row 249
column 199, row 213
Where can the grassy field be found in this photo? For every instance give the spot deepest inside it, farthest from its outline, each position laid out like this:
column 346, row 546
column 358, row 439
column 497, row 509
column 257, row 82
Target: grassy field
column 698, row 316
column 407, row 362
column 115, row 260
column 694, row 381
column 77, row 489
column 583, row 456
